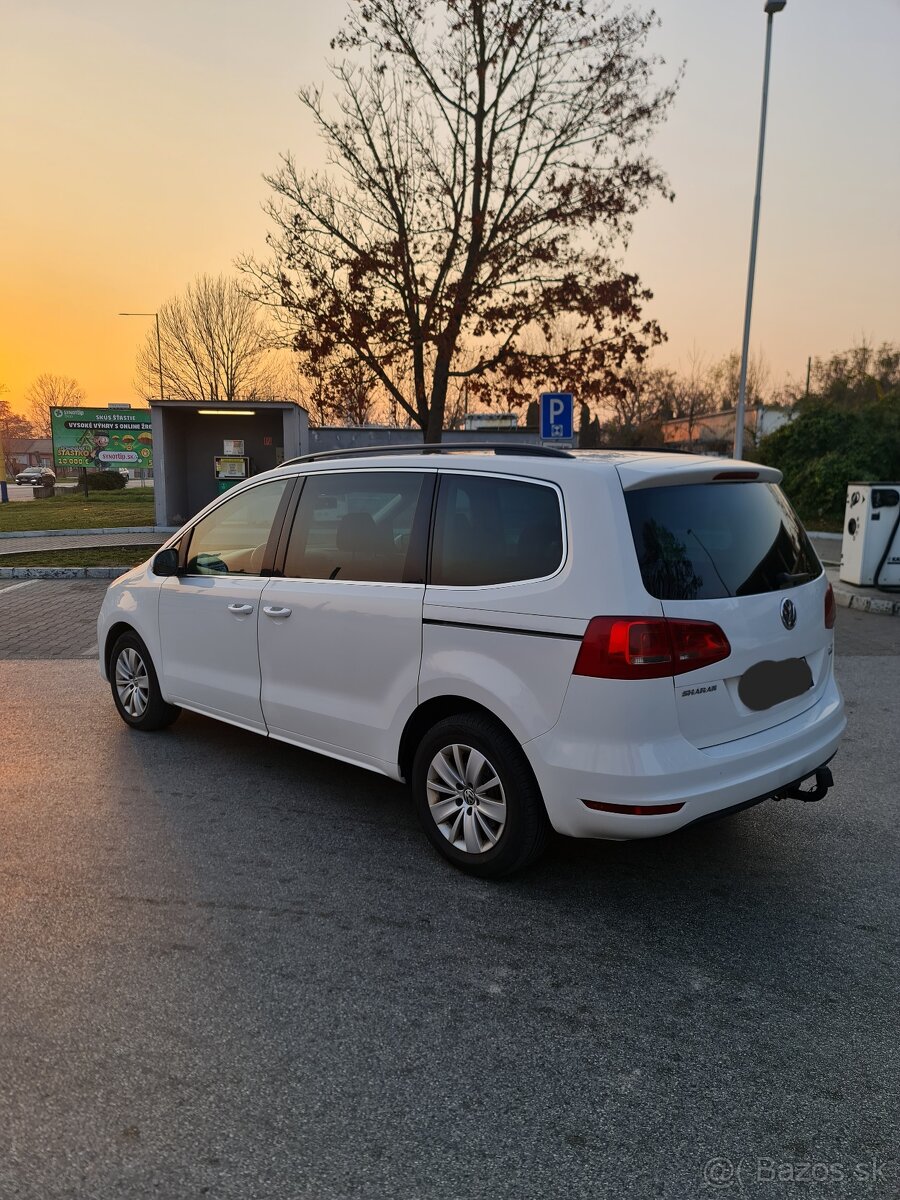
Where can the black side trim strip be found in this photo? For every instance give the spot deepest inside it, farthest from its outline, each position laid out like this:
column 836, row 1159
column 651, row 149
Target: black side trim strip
column 565, row 637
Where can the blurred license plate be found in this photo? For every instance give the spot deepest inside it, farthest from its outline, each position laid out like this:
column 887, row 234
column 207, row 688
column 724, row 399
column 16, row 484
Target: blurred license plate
column 768, row 683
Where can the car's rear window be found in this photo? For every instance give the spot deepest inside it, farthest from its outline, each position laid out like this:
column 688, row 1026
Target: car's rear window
column 703, row 541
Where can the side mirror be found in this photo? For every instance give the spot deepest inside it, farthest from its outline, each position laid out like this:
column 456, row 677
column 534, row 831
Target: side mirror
column 166, row 562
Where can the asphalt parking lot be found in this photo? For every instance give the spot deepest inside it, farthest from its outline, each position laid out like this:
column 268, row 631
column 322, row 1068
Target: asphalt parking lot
column 229, row 968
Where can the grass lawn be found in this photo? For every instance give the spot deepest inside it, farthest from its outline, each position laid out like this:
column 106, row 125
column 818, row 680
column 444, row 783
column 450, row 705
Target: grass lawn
column 100, row 510
column 105, row 556
column 823, row 524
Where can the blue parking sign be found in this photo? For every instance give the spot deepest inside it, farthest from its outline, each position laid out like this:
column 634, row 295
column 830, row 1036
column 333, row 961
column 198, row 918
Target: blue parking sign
column 557, row 424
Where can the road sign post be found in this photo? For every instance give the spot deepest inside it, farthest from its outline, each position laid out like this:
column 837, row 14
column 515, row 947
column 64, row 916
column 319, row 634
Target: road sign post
column 557, row 417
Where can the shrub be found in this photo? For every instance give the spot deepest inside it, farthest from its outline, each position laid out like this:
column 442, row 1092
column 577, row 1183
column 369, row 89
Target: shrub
column 825, row 448
column 105, row 481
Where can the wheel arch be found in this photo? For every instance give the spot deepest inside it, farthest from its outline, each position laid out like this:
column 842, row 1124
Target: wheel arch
column 427, row 715
column 112, row 636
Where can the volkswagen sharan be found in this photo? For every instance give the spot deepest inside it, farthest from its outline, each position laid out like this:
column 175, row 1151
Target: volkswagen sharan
column 607, row 644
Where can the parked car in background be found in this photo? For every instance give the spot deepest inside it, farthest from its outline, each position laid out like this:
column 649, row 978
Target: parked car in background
column 36, row 477
column 612, row 645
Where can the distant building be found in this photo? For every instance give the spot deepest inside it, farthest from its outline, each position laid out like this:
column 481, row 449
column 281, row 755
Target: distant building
column 715, row 430
column 29, row 452
column 488, row 422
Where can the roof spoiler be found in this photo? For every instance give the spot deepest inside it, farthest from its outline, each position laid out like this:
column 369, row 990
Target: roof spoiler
column 645, row 473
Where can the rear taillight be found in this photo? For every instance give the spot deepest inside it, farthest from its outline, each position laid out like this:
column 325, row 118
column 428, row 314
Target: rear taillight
column 648, row 647
column 830, row 611
column 697, row 644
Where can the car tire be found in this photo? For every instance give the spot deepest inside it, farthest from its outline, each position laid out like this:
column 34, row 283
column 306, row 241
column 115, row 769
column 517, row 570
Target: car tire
column 477, row 798
column 135, row 686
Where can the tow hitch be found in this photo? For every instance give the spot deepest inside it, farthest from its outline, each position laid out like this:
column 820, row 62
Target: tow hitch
column 822, row 781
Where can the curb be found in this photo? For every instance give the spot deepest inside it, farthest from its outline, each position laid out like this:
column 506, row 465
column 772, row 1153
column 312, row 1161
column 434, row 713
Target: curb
column 62, row 572
column 870, row 604
column 30, row 533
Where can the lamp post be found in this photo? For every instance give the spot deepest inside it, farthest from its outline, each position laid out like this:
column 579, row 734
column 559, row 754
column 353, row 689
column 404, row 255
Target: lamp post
column 155, row 316
column 4, row 492
column 771, row 8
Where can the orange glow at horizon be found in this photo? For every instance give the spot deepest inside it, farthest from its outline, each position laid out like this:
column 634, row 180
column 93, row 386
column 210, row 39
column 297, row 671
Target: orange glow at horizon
column 134, row 144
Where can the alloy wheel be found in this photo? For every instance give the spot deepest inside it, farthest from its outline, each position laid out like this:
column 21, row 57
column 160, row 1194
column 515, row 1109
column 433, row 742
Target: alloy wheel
column 132, row 683
column 466, row 798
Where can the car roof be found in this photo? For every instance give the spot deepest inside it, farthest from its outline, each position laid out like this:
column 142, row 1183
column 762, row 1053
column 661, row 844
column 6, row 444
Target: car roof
column 633, row 465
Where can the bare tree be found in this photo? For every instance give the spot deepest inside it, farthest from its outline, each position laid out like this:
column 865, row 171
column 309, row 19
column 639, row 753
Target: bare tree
column 318, row 398
column 693, row 393
column 488, row 157
column 354, row 385
column 51, row 391
column 216, row 345
column 334, row 392
column 642, row 394
column 724, row 380
column 12, row 425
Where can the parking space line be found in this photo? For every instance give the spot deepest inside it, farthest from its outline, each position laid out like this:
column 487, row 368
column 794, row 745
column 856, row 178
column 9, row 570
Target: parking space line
column 90, row 652
column 13, row 586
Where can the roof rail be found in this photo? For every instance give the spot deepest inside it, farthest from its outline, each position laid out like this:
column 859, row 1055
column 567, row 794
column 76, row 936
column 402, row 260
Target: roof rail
column 524, row 449
column 663, row 449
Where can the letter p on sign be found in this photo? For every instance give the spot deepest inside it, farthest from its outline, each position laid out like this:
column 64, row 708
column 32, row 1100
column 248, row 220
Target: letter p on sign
column 556, row 416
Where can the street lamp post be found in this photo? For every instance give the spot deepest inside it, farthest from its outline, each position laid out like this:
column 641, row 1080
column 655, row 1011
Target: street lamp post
column 4, row 492
column 771, row 8
column 155, row 316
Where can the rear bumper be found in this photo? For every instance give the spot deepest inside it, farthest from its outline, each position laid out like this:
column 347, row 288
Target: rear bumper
column 576, row 761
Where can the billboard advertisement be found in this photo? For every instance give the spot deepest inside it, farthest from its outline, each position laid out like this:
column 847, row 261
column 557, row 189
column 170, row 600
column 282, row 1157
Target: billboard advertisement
column 102, row 438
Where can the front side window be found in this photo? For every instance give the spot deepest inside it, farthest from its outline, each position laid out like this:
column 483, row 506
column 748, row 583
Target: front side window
column 492, row 530
column 232, row 539
column 356, row 525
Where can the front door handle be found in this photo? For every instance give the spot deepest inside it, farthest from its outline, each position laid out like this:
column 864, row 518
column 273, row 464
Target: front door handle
column 240, row 610
column 279, row 613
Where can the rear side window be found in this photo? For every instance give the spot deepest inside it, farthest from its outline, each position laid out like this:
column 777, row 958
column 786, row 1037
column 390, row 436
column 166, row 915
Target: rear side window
column 492, row 530
column 356, row 525
column 703, row 541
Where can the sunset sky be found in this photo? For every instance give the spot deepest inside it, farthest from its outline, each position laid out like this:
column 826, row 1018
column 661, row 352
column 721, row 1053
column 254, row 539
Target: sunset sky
column 134, row 138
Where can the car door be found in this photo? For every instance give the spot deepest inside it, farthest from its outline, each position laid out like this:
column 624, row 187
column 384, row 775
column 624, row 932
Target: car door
column 208, row 613
column 340, row 631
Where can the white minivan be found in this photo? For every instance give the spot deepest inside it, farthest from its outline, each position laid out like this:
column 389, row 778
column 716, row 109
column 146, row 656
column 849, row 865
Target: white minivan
column 609, row 644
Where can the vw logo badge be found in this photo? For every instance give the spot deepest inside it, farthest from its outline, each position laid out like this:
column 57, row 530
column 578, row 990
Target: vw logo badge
column 788, row 614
